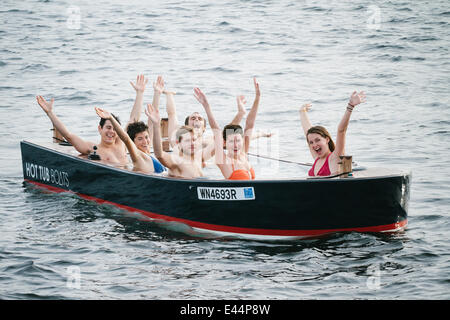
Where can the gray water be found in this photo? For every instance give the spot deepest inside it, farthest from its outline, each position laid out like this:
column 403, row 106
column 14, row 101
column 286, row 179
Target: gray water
column 84, row 53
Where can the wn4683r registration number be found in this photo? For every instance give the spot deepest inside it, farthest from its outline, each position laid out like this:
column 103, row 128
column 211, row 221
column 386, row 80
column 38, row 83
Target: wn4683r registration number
column 226, row 194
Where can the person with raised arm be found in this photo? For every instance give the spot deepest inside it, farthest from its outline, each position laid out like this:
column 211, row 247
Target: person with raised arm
column 234, row 163
column 186, row 160
column 139, row 87
column 196, row 121
column 142, row 160
column 322, row 147
column 110, row 149
column 141, row 134
column 241, row 101
column 136, row 129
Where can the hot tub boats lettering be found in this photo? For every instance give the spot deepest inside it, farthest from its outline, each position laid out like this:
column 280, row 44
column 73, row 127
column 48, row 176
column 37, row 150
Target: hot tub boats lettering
column 43, row 173
column 373, row 200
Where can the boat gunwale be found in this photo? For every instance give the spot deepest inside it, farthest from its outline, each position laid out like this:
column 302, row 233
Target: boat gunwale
column 221, row 181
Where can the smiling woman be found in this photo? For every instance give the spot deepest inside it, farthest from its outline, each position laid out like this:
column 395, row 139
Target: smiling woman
column 234, row 163
column 320, row 141
column 322, row 147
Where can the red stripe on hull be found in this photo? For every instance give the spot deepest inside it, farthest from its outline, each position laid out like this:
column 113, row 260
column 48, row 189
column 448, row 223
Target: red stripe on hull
column 393, row 227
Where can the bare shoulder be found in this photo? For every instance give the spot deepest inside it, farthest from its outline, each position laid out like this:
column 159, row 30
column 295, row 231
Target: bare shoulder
column 334, row 157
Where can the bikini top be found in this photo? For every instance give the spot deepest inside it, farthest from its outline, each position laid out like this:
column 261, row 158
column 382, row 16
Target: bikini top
column 157, row 165
column 324, row 171
column 242, row 174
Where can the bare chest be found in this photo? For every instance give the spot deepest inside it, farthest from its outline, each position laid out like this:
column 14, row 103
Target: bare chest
column 113, row 155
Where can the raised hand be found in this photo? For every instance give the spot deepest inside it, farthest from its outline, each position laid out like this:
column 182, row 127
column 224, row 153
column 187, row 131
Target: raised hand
column 357, row 98
column 103, row 113
column 241, row 103
column 140, row 84
column 159, row 85
column 200, row 96
column 257, row 92
column 46, row 106
column 153, row 114
column 306, row 107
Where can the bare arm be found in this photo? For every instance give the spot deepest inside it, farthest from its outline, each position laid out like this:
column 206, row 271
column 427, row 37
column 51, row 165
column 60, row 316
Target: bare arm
column 355, row 99
column 250, row 122
column 158, row 88
column 172, row 116
column 241, row 110
column 139, row 86
column 306, row 124
column 304, row 119
column 134, row 152
column 218, row 139
column 240, row 115
column 82, row 146
column 150, row 130
column 200, row 96
column 164, row 157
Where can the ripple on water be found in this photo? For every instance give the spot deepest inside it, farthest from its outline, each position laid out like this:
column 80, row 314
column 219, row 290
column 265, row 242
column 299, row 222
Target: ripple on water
column 314, row 54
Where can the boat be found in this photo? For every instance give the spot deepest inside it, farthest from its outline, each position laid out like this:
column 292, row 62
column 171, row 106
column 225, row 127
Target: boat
column 370, row 201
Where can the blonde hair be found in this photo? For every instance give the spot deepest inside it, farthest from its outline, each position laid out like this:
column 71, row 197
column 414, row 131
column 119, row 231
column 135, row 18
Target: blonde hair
column 182, row 130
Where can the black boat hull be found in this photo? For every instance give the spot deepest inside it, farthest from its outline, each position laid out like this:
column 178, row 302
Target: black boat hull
column 258, row 209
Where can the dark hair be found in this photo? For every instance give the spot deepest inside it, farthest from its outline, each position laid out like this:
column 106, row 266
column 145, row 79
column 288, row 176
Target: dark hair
column 182, row 130
column 186, row 121
column 324, row 133
column 135, row 128
column 232, row 129
column 103, row 120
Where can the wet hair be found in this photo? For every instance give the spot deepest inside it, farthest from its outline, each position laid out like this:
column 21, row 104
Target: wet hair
column 232, row 129
column 186, row 121
column 103, row 120
column 135, row 128
column 322, row 132
column 182, row 130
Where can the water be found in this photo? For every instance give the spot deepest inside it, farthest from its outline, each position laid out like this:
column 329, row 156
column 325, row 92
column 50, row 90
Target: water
column 84, row 54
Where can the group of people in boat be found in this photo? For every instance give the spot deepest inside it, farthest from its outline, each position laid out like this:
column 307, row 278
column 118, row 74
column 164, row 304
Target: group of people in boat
column 191, row 148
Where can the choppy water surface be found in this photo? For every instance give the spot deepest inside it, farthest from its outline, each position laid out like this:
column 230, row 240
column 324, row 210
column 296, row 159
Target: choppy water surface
column 84, row 54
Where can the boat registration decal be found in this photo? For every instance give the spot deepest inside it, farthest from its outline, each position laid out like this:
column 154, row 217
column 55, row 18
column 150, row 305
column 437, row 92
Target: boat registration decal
column 226, row 194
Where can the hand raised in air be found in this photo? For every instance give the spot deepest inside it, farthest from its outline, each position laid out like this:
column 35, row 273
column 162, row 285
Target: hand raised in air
column 45, row 105
column 140, row 84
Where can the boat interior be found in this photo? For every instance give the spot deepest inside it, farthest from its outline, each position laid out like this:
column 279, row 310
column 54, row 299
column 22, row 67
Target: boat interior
column 266, row 168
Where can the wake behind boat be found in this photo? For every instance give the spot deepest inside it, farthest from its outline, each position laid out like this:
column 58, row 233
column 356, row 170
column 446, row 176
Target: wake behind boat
column 372, row 200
